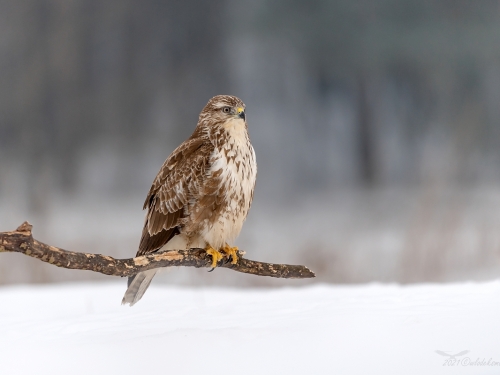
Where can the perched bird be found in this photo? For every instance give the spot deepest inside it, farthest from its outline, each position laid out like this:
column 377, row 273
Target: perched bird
column 202, row 193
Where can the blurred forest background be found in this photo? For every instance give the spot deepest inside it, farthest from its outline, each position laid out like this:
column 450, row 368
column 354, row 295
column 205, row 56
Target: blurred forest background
column 376, row 126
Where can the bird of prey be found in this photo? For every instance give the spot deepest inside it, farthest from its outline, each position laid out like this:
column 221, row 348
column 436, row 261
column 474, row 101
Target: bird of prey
column 203, row 191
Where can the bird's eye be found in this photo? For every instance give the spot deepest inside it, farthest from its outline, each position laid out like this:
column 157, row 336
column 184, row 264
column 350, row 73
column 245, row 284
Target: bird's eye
column 226, row 109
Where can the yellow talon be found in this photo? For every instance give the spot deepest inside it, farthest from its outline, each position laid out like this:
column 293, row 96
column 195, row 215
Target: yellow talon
column 216, row 255
column 231, row 251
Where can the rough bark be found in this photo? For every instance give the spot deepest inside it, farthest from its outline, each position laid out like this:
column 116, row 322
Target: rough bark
column 22, row 241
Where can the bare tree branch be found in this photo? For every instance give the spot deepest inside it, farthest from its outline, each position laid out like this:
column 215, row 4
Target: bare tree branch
column 22, row 241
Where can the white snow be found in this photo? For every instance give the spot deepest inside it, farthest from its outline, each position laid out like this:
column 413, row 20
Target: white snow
column 322, row 329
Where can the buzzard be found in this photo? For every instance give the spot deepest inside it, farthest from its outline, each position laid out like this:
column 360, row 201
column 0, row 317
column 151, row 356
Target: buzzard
column 203, row 191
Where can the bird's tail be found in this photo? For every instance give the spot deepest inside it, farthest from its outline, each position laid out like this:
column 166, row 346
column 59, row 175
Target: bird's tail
column 137, row 286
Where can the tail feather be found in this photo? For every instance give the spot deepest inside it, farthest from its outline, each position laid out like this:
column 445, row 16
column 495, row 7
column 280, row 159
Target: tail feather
column 137, row 286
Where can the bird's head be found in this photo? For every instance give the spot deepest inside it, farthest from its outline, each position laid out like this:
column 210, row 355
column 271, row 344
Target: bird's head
column 223, row 109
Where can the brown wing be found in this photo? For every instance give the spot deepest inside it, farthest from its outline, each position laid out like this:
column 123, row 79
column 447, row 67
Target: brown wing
column 181, row 175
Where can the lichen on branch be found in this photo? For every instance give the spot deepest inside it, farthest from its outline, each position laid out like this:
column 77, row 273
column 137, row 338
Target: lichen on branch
column 21, row 241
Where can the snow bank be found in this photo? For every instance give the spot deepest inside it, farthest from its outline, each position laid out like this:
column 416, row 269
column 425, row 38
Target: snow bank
column 384, row 329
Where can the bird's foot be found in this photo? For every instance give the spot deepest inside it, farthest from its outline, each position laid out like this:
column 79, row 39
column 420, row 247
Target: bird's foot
column 216, row 256
column 232, row 252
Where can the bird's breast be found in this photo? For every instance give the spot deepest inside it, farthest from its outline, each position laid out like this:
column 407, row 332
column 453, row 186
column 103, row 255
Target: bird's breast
column 235, row 169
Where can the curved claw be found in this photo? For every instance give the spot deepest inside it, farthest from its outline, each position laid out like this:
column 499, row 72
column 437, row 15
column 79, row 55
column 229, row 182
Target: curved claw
column 216, row 256
column 232, row 252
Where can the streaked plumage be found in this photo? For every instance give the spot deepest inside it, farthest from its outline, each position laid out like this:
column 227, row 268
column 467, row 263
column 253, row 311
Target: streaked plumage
column 203, row 192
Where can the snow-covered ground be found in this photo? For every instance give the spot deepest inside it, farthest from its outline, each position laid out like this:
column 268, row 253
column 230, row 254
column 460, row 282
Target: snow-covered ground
column 322, row 329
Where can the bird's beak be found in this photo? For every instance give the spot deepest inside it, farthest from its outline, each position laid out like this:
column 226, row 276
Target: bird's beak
column 241, row 112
